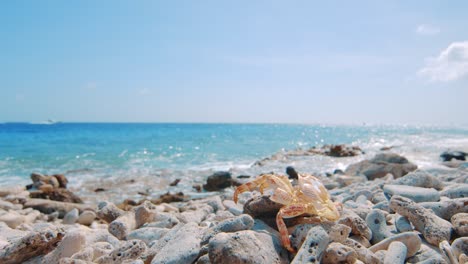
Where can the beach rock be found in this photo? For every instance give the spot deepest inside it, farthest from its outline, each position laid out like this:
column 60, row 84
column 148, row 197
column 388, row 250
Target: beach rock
column 11, row 190
column 419, row 178
column 218, row 181
column 121, row 226
column 242, row 222
column 402, row 224
column 292, row 173
column 5, row 205
column 433, row 228
column 416, row 194
column 447, row 251
column 86, row 254
column 246, row 247
column 262, row 206
column 33, row 244
column 184, row 247
column 156, row 246
column 460, row 246
column 108, row 211
column 71, row 243
column 427, row 253
column 12, row 218
column 48, row 206
column 232, row 207
column 144, row 213
column 460, row 223
column 197, row 215
column 170, row 198
column 71, row 217
column 56, row 194
column 346, row 180
column 449, row 155
column 342, row 151
column 62, row 180
column 313, row 247
column 381, row 165
column 163, row 220
column 396, row 253
column 410, row 239
column 7, row 233
column 458, row 191
column 446, row 209
column 148, row 234
column 376, row 221
column 101, row 249
column 362, row 253
column 86, row 217
column 338, row 233
column 129, row 250
column 339, row 253
column 357, row 224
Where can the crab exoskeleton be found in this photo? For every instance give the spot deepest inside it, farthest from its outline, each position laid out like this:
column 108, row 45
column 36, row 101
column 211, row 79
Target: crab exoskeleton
column 308, row 197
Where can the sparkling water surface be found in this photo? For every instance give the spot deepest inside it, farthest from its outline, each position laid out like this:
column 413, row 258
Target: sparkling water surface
column 124, row 149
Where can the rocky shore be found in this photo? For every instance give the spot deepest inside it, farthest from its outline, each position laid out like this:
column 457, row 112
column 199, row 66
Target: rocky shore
column 390, row 212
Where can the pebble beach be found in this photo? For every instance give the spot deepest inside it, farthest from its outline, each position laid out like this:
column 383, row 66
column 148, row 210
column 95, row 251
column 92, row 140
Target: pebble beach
column 391, row 211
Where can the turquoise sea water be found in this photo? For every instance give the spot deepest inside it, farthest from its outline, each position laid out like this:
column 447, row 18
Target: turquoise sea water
column 129, row 149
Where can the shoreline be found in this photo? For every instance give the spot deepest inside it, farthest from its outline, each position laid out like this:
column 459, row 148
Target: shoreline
column 422, row 209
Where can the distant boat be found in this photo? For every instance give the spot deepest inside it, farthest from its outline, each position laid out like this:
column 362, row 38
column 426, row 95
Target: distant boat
column 47, row 122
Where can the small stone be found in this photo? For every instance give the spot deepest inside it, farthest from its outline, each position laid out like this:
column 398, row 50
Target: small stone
column 339, row 253
column 86, row 254
column 460, row 246
column 71, row 243
column 410, row 239
column 232, row 207
column 121, row 226
column 12, row 219
column 108, row 211
column 433, row 228
column 246, row 247
column 144, row 213
column 357, row 224
column 313, row 247
column 184, row 247
column 129, row 250
column 402, row 224
column 363, row 254
column 396, row 253
column 377, row 223
column 416, row 194
column 460, row 223
column 458, row 191
column 419, row 178
column 71, row 217
column 86, row 218
column 242, row 222
column 446, row 209
column 147, row 234
column 218, row 181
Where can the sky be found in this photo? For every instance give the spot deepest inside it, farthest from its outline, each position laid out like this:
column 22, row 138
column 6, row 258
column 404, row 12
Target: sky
column 385, row 62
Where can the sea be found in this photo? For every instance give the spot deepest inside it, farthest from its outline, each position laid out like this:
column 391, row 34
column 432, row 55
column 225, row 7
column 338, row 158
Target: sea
column 151, row 155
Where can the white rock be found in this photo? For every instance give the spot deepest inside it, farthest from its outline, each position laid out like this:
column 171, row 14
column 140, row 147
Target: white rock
column 71, row 217
column 86, row 217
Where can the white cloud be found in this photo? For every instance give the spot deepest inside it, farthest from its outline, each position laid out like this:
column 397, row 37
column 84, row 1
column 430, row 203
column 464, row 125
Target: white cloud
column 450, row 65
column 427, row 30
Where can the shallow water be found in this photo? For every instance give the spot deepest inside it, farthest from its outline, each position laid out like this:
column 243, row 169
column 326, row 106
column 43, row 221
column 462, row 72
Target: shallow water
column 104, row 154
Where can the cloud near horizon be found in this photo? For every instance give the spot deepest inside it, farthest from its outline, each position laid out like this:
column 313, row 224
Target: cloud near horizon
column 427, row 30
column 450, row 65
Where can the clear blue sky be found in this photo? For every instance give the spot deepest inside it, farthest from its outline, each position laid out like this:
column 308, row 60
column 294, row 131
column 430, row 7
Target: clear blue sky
column 234, row 61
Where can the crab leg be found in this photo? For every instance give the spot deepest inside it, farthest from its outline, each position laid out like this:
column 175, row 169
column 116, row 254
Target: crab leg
column 289, row 211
